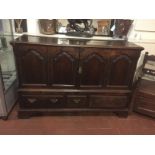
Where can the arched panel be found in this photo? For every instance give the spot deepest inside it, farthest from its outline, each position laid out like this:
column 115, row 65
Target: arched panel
column 33, row 53
column 93, row 70
column 33, row 67
column 64, row 69
column 120, row 70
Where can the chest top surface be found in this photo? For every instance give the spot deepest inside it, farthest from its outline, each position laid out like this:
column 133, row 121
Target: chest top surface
column 53, row 41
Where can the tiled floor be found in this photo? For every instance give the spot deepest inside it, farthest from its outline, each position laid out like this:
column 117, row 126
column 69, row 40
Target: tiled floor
column 78, row 125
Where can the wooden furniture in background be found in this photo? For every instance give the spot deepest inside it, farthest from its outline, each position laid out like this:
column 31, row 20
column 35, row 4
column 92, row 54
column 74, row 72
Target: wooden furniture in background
column 144, row 96
column 74, row 76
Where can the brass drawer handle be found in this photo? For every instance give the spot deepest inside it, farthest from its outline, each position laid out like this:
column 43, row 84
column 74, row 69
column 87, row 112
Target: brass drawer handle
column 76, row 100
column 54, row 100
column 32, row 100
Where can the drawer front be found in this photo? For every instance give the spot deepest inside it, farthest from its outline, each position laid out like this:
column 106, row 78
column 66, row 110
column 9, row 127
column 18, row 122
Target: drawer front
column 42, row 101
column 100, row 101
column 145, row 96
column 145, row 103
column 76, row 101
column 145, row 106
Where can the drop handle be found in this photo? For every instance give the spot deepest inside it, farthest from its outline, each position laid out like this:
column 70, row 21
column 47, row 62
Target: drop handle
column 80, row 70
column 76, row 100
column 54, row 100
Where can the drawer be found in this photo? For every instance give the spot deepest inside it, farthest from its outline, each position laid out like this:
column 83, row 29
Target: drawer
column 145, row 96
column 145, row 99
column 100, row 101
column 144, row 103
column 76, row 101
column 41, row 101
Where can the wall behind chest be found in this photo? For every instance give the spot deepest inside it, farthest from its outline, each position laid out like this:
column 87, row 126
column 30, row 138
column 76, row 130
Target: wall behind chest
column 143, row 33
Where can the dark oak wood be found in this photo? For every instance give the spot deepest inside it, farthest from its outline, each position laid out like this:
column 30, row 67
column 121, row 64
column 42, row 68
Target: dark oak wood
column 70, row 76
column 71, row 42
column 63, row 65
column 120, row 70
column 27, row 113
column 101, row 101
column 93, row 67
column 144, row 100
column 31, row 64
column 144, row 95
